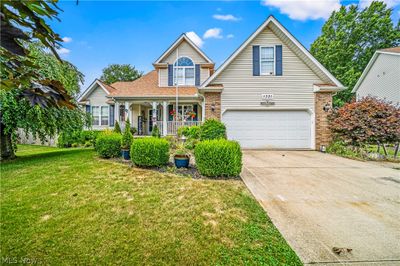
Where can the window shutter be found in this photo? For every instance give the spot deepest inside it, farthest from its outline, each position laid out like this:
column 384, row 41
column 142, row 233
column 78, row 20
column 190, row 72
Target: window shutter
column 170, row 108
column 170, row 75
column 88, row 109
column 256, row 60
column 197, row 75
column 111, row 116
column 196, row 112
column 278, row 66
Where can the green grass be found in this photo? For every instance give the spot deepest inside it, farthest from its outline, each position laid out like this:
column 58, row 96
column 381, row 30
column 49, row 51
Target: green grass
column 67, row 206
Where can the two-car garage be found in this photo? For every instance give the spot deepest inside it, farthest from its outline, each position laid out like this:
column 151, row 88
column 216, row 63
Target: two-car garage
column 268, row 129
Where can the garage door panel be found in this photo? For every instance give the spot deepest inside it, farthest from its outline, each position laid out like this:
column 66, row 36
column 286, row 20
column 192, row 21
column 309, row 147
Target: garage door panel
column 269, row 129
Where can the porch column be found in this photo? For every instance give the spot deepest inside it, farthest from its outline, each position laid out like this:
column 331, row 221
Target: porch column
column 154, row 113
column 203, row 110
column 128, row 115
column 116, row 112
column 165, row 118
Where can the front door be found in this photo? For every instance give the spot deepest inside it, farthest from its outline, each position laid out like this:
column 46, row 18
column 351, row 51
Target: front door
column 150, row 119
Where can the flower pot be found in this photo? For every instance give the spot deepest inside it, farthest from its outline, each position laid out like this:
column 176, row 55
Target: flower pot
column 181, row 161
column 125, row 154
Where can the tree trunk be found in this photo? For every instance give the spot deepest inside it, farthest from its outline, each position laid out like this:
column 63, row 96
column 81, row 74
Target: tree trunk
column 7, row 150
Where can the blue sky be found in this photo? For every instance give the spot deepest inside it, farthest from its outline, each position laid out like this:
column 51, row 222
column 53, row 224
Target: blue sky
column 98, row 33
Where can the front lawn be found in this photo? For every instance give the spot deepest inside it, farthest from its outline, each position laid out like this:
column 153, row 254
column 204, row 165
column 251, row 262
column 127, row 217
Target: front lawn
column 66, row 206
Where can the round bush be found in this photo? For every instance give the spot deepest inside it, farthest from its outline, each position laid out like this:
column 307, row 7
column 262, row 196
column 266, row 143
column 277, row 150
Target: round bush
column 108, row 144
column 212, row 129
column 218, row 158
column 150, row 152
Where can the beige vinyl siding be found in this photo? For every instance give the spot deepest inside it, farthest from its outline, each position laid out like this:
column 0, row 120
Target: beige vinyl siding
column 184, row 49
column 294, row 89
column 383, row 79
column 204, row 74
column 163, row 77
column 98, row 98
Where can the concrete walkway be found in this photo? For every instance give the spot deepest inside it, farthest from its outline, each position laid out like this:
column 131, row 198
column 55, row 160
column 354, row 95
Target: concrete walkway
column 320, row 201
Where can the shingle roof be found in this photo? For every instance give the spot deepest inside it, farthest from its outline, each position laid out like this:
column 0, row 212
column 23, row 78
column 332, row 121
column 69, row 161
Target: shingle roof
column 147, row 85
column 108, row 87
column 391, row 50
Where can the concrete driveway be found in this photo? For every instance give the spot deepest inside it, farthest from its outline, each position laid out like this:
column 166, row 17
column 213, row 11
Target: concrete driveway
column 320, row 201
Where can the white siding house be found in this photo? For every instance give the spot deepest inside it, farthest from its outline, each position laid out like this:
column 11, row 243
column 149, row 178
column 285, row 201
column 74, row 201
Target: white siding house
column 381, row 77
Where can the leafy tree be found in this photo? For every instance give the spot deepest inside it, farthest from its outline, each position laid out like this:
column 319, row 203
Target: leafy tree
column 349, row 39
column 18, row 111
column 118, row 72
column 367, row 121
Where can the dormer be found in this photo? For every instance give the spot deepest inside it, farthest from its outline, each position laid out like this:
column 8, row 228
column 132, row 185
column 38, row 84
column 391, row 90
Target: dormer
column 183, row 64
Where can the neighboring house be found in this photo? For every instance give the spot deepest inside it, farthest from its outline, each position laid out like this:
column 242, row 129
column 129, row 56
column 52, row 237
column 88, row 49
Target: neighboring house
column 381, row 77
column 271, row 92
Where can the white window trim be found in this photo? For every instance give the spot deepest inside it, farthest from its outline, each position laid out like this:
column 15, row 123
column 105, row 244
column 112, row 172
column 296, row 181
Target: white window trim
column 184, row 69
column 100, row 117
column 274, row 49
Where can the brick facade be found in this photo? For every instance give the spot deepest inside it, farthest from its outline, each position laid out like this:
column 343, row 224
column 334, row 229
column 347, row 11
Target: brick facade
column 213, row 99
column 322, row 132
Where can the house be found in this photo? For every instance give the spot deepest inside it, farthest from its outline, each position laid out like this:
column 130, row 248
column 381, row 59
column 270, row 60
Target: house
column 381, row 77
column 271, row 93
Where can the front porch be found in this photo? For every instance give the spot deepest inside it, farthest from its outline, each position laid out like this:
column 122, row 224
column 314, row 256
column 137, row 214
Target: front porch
column 143, row 115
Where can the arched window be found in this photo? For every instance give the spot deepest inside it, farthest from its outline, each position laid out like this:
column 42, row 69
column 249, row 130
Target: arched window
column 184, row 71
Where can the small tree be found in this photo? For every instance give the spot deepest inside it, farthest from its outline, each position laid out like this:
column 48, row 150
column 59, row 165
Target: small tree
column 119, row 72
column 127, row 137
column 117, row 128
column 367, row 121
column 155, row 132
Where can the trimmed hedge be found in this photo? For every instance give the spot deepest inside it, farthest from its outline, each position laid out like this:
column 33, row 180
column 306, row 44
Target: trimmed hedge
column 108, row 144
column 218, row 158
column 83, row 138
column 150, row 151
column 212, row 129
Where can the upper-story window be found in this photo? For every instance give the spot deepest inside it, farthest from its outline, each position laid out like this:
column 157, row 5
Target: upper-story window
column 184, row 71
column 267, row 61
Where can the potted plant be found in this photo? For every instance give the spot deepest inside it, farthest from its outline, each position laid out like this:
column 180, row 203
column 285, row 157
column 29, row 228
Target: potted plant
column 126, row 141
column 181, row 157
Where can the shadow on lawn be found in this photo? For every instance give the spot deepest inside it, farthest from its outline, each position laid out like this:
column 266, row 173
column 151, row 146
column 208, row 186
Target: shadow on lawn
column 45, row 156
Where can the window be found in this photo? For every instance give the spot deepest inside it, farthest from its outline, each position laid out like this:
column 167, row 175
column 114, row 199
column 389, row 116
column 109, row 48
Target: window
column 267, row 61
column 184, row 71
column 187, row 113
column 100, row 115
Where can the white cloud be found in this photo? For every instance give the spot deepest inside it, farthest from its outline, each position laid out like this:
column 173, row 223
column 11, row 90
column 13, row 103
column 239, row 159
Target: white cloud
column 63, row 51
column 230, row 36
column 227, row 17
column 67, row 39
column 305, row 9
column 195, row 38
column 389, row 3
column 213, row 33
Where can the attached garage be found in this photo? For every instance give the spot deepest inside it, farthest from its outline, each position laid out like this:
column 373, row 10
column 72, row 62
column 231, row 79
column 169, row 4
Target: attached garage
column 269, row 129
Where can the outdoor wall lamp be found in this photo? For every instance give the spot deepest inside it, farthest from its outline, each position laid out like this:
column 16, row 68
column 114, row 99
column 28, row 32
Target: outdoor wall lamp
column 213, row 107
column 327, row 107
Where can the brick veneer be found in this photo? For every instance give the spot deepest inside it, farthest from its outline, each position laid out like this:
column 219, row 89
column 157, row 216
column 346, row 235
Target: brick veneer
column 322, row 132
column 213, row 98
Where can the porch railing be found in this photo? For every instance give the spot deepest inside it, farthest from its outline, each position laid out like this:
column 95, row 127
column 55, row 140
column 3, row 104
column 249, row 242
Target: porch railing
column 172, row 126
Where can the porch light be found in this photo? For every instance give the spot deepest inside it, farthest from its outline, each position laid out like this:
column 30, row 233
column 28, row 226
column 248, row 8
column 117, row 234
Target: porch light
column 213, row 107
column 322, row 148
column 327, row 107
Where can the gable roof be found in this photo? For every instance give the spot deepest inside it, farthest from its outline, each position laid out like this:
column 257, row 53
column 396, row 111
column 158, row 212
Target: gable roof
column 178, row 41
column 390, row 51
column 107, row 89
column 272, row 20
column 147, row 86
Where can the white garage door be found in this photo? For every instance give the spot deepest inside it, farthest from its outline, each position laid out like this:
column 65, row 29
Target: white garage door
column 269, row 129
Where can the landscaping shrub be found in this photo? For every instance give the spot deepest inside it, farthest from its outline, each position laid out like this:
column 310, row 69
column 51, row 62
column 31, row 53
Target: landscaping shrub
column 190, row 132
column 212, row 129
column 155, row 132
column 127, row 137
column 340, row 148
column 190, row 144
column 369, row 120
column 117, row 128
column 150, row 151
column 182, row 131
column 218, row 158
column 108, row 144
column 80, row 138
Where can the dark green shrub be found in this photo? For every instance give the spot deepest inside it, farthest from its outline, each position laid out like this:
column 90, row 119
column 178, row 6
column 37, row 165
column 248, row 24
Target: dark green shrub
column 117, row 128
column 182, row 131
column 74, row 145
column 127, row 137
column 155, row 132
column 150, row 151
column 88, row 144
column 66, row 139
column 108, row 144
column 133, row 130
column 192, row 132
column 190, row 144
column 218, row 158
column 212, row 129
